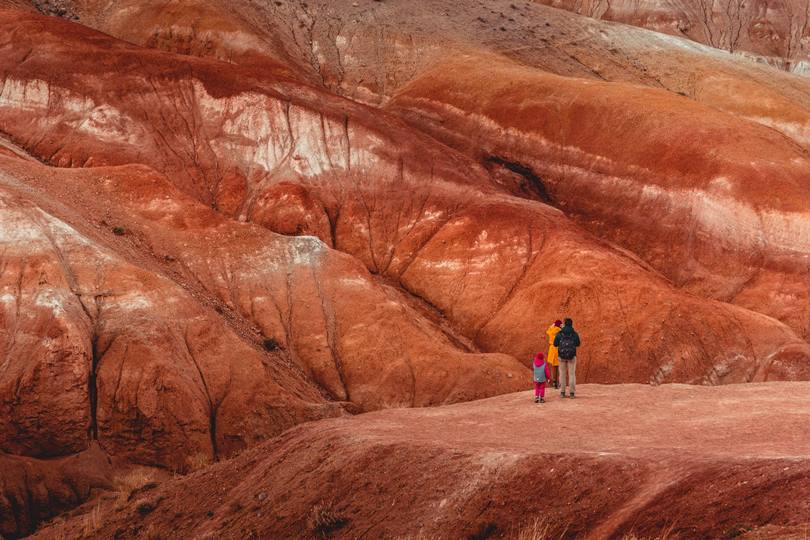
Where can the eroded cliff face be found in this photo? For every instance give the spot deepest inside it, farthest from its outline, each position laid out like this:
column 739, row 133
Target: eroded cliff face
column 378, row 52
column 99, row 348
column 722, row 135
column 731, row 222
column 433, row 221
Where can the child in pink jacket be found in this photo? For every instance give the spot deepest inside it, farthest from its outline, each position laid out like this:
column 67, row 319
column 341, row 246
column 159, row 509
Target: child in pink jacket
column 541, row 375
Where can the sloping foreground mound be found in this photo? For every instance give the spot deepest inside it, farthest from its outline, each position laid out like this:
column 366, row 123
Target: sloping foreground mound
column 707, row 462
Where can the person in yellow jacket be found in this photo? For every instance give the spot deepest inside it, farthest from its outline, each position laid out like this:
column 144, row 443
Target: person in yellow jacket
column 553, row 359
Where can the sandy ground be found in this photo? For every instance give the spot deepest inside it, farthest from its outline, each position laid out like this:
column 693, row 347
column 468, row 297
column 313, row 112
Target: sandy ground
column 768, row 420
column 701, row 462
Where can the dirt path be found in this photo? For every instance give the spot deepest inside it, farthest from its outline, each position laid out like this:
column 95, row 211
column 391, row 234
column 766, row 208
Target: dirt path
column 707, row 462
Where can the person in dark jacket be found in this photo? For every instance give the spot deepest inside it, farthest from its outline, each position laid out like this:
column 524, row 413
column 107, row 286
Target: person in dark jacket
column 567, row 341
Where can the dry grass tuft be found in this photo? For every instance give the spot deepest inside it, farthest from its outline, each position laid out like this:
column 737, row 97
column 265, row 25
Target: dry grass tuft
column 538, row 529
column 59, row 533
column 198, row 461
column 152, row 533
column 665, row 534
column 132, row 481
column 92, row 522
column 324, row 519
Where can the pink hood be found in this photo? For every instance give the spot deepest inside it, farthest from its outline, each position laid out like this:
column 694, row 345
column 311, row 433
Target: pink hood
column 538, row 360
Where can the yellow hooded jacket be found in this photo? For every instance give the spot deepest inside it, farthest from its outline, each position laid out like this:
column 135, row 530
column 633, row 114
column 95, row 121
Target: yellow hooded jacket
column 552, row 350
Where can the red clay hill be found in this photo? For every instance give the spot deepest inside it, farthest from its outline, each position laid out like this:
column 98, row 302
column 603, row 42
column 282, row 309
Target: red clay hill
column 222, row 220
column 591, row 143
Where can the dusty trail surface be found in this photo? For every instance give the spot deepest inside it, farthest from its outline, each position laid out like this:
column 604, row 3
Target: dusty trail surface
column 707, row 461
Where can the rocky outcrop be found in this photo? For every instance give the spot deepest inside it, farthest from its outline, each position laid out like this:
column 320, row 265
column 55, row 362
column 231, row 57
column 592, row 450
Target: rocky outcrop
column 738, row 261
column 141, row 321
column 775, row 32
column 319, row 307
column 701, row 462
column 742, row 260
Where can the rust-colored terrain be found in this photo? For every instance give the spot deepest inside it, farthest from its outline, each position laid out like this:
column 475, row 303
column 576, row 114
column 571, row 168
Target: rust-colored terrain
column 774, row 32
column 221, row 220
column 618, row 460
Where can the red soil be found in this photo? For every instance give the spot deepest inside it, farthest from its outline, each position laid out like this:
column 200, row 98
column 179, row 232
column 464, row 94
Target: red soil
column 709, row 462
column 34, row 490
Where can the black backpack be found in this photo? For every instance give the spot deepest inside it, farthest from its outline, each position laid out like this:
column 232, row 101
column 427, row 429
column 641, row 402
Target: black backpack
column 567, row 349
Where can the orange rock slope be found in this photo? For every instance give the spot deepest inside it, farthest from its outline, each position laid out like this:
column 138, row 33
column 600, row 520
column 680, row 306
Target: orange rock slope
column 378, row 51
column 141, row 319
column 432, row 221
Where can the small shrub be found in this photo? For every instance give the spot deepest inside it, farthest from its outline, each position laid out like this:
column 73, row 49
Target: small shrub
column 270, row 344
column 119, row 231
column 735, row 531
column 323, row 519
column 145, row 507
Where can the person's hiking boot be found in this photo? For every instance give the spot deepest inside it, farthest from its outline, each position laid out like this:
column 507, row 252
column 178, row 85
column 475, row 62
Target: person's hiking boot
column 562, row 394
column 572, row 395
column 542, row 400
column 536, row 399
